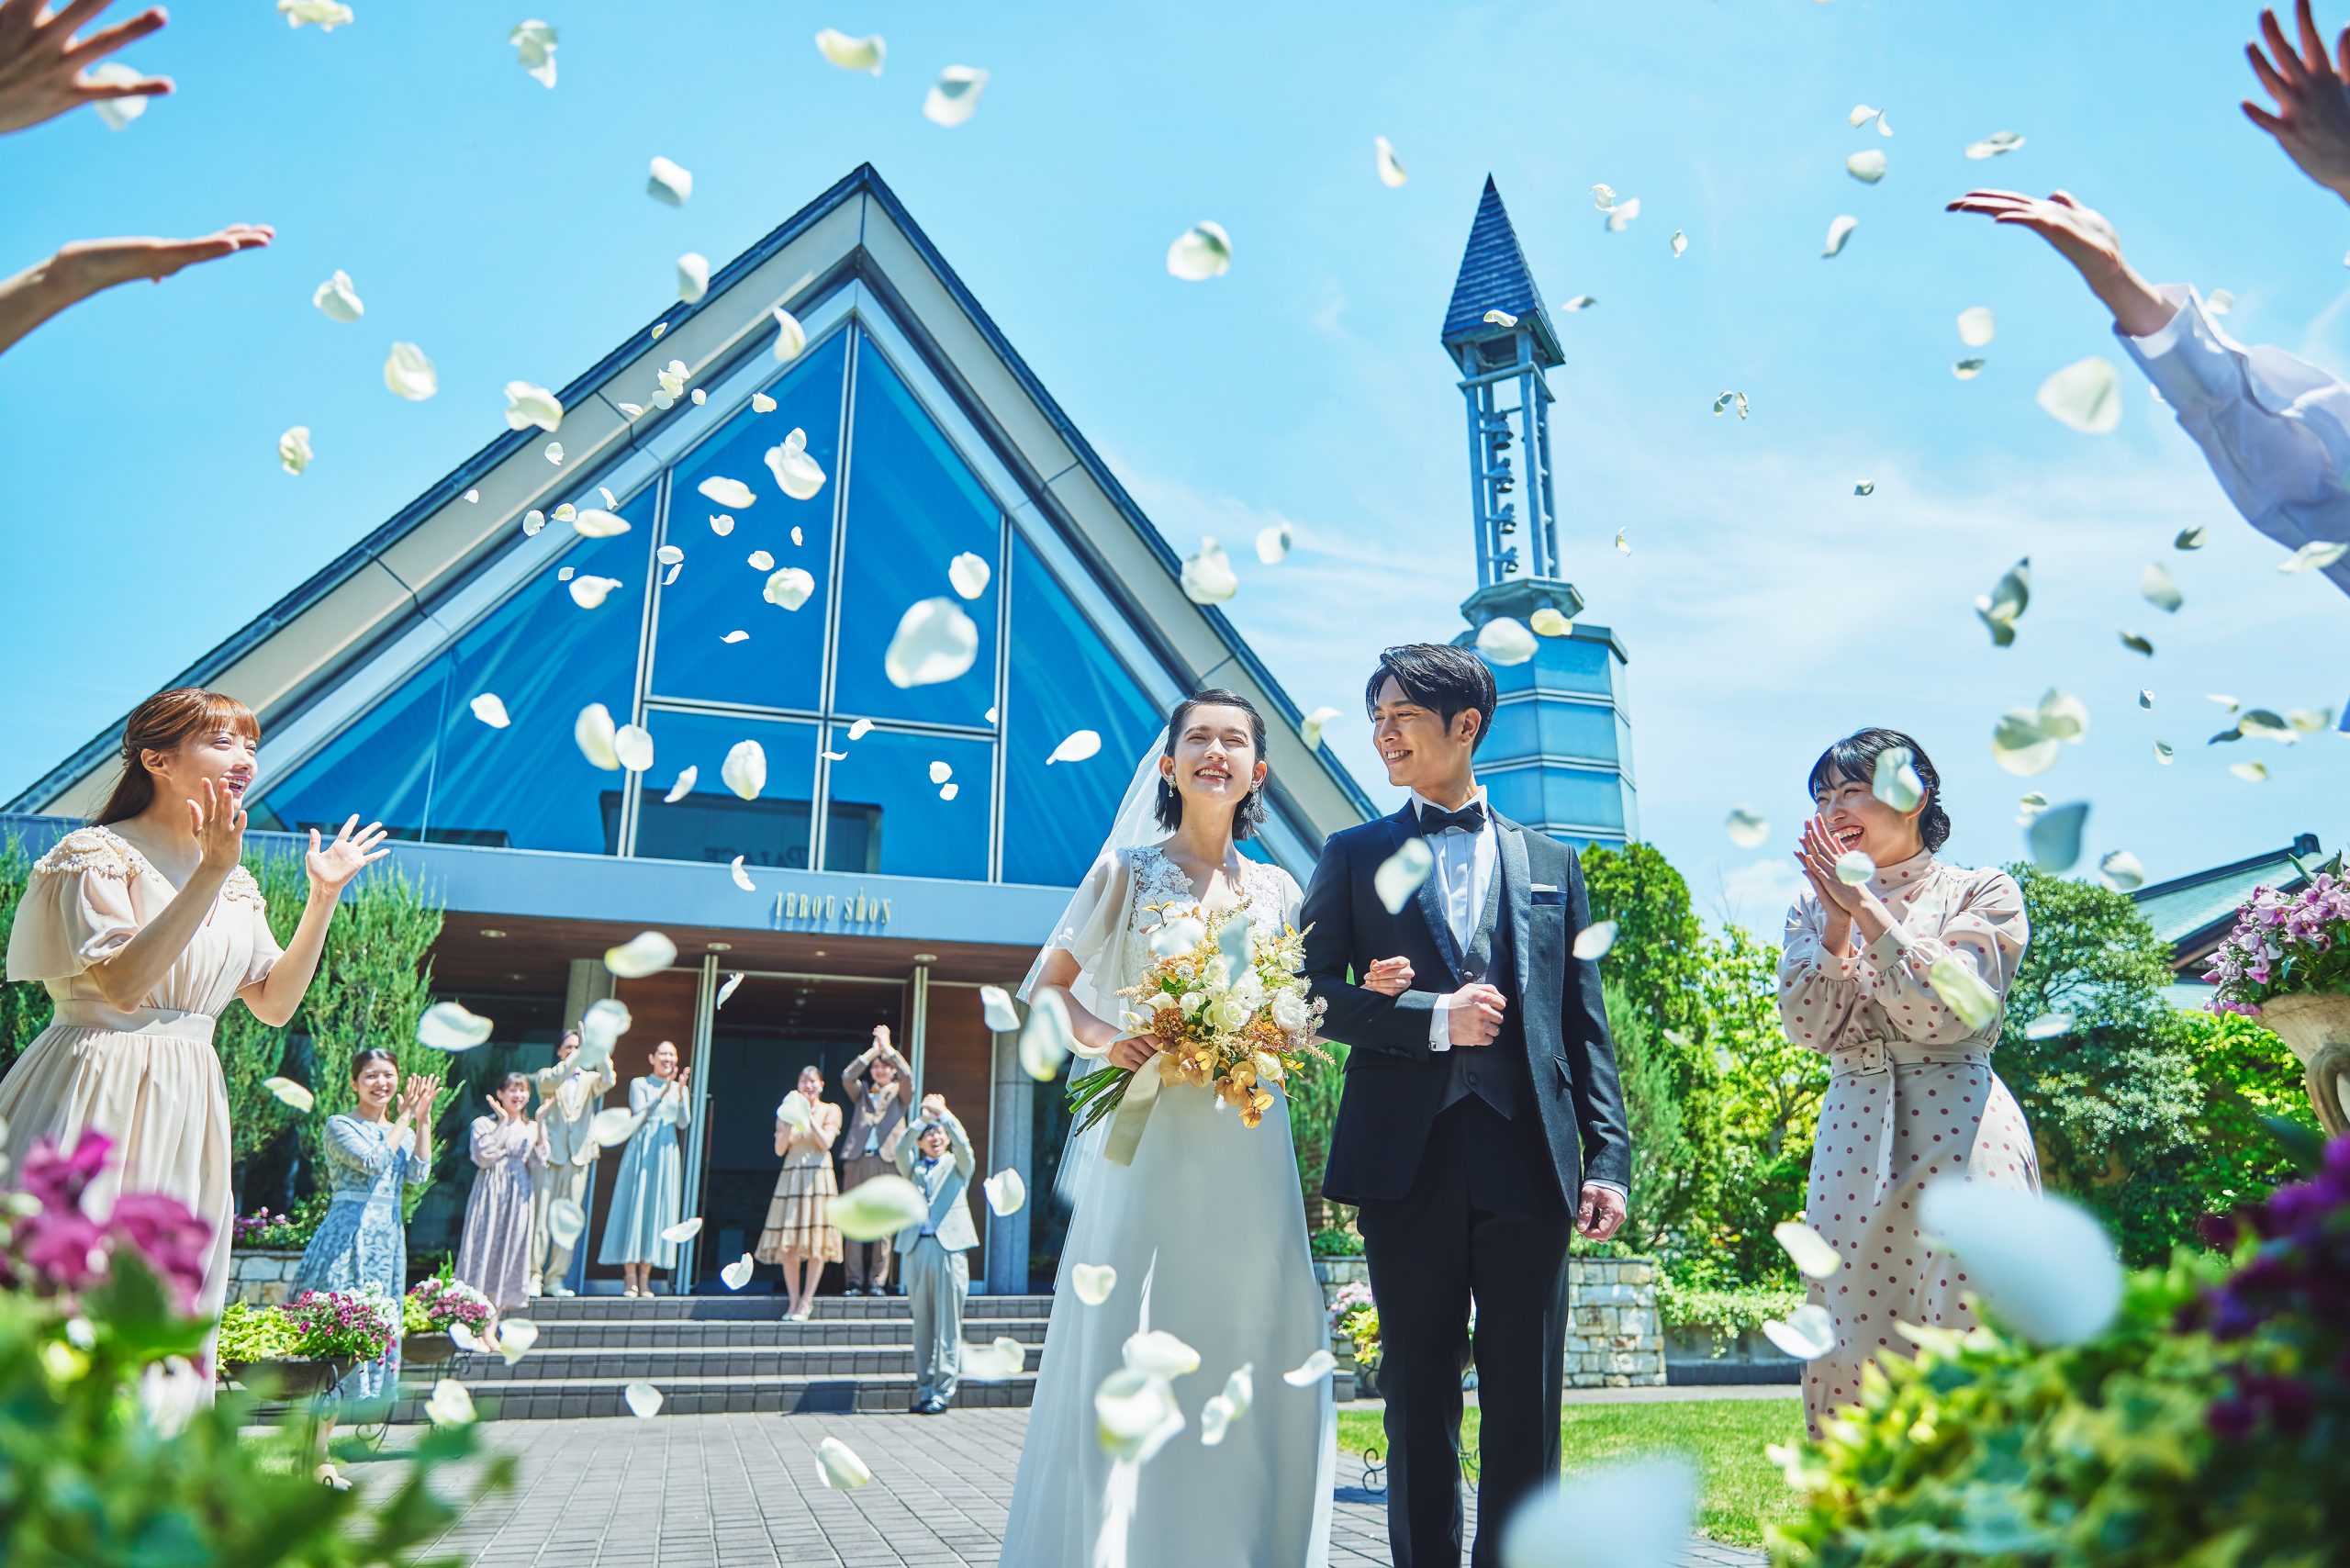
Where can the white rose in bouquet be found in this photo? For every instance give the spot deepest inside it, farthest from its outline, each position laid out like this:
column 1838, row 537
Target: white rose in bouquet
column 1230, row 1014
column 1250, row 991
column 1290, row 1014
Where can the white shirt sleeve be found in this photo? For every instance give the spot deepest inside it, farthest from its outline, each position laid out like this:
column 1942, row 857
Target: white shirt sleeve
column 2275, row 429
column 1439, row 1030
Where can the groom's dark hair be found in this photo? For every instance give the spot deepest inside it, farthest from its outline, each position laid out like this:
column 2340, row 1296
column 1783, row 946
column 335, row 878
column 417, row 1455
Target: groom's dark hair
column 1437, row 674
column 1250, row 812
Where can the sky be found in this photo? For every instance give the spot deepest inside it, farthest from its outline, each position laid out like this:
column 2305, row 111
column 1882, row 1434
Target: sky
column 1766, row 609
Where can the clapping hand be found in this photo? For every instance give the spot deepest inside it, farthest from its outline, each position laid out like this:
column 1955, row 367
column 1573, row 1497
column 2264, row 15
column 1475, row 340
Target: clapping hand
column 41, row 63
column 2312, row 121
column 933, row 1107
column 1818, row 853
column 353, row 848
column 416, row 1096
column 1388, row 977
column 218, row 822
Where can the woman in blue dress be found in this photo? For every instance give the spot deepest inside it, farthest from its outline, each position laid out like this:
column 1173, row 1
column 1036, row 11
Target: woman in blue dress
column 363, row 1242
column 650, row 1193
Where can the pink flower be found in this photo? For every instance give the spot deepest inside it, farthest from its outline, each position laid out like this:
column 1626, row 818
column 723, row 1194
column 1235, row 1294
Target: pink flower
column 59, row 1179
column 170, row 1238
column 63, row 1247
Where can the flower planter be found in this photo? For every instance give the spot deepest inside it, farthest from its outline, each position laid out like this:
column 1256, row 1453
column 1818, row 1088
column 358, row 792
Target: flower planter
column 430, row 1350
column 2316, row 1024
column 290, row 1380
column 1367, row 1381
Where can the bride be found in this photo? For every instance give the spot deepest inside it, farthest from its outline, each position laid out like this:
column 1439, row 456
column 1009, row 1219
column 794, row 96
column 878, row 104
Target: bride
column 1206, row 1226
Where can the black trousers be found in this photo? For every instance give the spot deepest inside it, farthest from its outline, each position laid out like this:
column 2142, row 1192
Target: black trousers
column 1485, row 1220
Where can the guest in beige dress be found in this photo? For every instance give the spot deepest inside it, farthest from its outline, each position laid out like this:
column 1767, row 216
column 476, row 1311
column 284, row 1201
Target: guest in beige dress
column 144, row 926
column 1912, row 1097
column 879, row 1086
column 800, row 1233
column 509, row 1155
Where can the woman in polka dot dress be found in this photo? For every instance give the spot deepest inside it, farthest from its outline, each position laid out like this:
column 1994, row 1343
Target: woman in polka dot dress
column 1912, row 1097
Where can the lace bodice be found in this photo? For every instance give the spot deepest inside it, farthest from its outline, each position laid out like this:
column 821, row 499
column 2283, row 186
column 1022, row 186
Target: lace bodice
column 1155, row 881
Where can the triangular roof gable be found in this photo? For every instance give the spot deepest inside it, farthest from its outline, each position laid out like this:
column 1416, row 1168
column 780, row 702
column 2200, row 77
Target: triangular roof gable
column 390, row 585
column 1494, row 276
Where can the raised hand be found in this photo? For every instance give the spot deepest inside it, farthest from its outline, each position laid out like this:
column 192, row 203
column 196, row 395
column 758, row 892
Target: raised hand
column 219, row 822
column 1817, row 854
column 933, row 1107
column 353, row 849
column 2084, row 238
column 43, row 64
column 2312, row 121
column 497, row 1108
column 1388, row 977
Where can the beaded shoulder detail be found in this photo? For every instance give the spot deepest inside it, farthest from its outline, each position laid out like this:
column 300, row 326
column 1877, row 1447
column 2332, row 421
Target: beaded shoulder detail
column 240, row 888
column 92, row 849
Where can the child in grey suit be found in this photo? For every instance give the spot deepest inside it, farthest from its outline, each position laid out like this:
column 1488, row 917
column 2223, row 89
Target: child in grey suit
column 937, row 1159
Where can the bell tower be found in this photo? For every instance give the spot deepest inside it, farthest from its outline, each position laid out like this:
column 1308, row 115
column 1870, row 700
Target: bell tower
column 1560, row 757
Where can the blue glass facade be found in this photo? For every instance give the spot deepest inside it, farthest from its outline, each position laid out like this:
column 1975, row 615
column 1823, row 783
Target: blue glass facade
column 899, row 504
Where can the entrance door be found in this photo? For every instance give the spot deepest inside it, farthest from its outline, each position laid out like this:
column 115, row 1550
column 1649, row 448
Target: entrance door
column 771, row 1027
column 661, row 1007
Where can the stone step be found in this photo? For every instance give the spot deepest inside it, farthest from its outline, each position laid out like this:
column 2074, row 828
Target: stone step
column 665, row 1364
column 685, row 1333
column 554, row 1399
column 769, row 1308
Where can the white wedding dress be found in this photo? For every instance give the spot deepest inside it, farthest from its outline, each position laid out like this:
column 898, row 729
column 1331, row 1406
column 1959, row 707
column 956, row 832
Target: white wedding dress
column 1210, row 1220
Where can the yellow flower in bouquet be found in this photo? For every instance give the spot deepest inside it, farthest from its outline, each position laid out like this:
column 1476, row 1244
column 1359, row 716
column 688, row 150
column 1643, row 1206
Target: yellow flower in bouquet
column 1227, row 999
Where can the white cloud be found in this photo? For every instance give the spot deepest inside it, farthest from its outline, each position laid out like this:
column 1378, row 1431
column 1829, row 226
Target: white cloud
column 1757, row 895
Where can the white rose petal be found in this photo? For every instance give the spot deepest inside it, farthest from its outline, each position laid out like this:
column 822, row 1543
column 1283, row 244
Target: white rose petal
column 2156, row 586
column 293, row 449
column 566, row 1219
column 1747, row 828
column 410, row 375
column 745, row 771
column 760, row 561
column 593, row 730
column 838, row 1467
column 738, row 1273
column 791, row 337
column 1201, row 251
column 2085, row 395
column 1006, row 1191
column 1962, row 991
column 935, row 643
column 1679, row 242
column 693, row 276
column 726, row 493
column 1217, row 1416
column 1976, row 324
column 450, row 1405
column 2045, row 1266
column 1504, row 640
column 732, row 984
column 861, row 729
column 513, row 1338
column 118, row 113
column 589, row 592
column 2048, row 1025
column 1866, row 165
column 1808, row 1334
column 996, row 1009
column 554, row 451
column 882, row 1206
column 535, row 44
column 1592, row 941
column 643, row 1400
column 968, row 575
column 2250, row 772
column 1631, row 1515
column 2315, row 556
column 1312, row 1370
column 794, row 470
column 646, row 953
column 289, row 1093
column 1384, row 160
column 682, row 788
column 1499, row 318
column 632, row 743
column 326, row 15
column 448, row 1026
column 789, row 587
column 1135, row 1414
column 668, row 183
column 597, row 523
column 742, row 878
column 1620, row 216
column 335, row 299
column 1895, row 781
column 1991, row 146
column 490, row 711
column 1080, row 746
column 1208, row 577
column 528, row 404
column 1580, row 302
column 852, row 54
column 1400, row 875
column 1806, row 1248
column 1838, row 232
column 952, row 98
column 1157, row 1354
column 1854, row 867
column 1092, row 1281
column 684, row 1230
column 1310, row 728
column 1045, row 1039
column 1006, row 1358
column 2122, row 872
column 761, row 404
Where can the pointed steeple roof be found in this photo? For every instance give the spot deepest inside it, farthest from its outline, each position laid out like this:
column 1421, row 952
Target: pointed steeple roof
column 1494, row 276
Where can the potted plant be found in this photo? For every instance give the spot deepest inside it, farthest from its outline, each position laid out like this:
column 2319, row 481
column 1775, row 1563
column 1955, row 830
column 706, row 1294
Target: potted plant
column 310, row 1344
column 1354, row 1313
column 2288, row 964
column 432, row 1308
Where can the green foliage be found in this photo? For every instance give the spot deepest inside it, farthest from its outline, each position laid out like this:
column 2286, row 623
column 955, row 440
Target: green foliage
column 250, row 1333
column 251, row 1050
column 25, row 1006
column 1646, row 1068
column 1771, row 1091
column 1726, row 1310
column 1313, row 1112
column 1337, row 1244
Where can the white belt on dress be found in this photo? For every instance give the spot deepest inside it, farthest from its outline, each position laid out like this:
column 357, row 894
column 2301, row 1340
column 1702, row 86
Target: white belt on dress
column 83, row 1013
column 1876, row 1059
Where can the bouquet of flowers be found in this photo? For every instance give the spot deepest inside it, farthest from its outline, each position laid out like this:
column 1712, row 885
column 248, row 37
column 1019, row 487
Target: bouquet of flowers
column 2282, row 945
column 436, row 1305
column 361, row 1326
column 1227, row 1002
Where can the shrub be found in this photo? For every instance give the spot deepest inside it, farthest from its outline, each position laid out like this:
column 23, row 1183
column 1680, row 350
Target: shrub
column 262, row 1229
column 1724, row 1310
column 1337, row 1244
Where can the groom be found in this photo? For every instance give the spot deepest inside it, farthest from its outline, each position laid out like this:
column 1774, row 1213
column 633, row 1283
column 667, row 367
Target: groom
column 1482, row 1121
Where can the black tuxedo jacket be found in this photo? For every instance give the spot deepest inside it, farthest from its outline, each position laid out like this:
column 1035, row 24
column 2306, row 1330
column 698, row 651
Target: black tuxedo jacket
column 1395, row 1081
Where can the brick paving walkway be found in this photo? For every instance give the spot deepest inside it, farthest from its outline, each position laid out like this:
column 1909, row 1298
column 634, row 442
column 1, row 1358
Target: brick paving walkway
column 742, row 1491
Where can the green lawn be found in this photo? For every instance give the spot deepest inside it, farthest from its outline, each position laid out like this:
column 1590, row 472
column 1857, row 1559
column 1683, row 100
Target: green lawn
column 1740, row 1491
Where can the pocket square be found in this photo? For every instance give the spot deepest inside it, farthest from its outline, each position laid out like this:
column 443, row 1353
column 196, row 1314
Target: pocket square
column 1544, row 886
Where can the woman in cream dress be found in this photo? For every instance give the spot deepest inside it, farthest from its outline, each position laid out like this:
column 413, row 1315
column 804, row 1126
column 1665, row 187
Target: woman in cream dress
column 800, row 1233
column 1912, row 1098
column 145, row 926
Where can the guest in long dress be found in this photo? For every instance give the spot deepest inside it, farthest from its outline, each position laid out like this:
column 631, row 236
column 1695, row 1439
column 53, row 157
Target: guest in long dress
column 649, row 1196
column 1911, row 1098
column 879, row 1086
column 372, row 1157
column 511, row 1150
column 569, row 1100
column 144, row 926
column 800, row 1233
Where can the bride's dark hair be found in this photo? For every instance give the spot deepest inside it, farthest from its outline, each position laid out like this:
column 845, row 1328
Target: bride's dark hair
column 1251, row 809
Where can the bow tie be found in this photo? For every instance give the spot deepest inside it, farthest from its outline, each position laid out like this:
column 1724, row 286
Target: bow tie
column 1470, row 818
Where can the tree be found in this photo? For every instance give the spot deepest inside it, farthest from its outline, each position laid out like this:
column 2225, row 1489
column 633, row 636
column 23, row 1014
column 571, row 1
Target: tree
column 1771, row 1091
column 1655, row 1116
column 250, row 1050
column 25, row 1006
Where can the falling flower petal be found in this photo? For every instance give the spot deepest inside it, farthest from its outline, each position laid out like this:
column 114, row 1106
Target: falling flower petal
column 1504, row 640
column 646, row 953
column 2250, row 772
column 513, row 1338
column 1976, row 324
column 1312, row 1370
column 1866, row 165
column 1806, row 1248
column 968, row 575
column 789, row 587
column 684, row 1230
column 996, row 1009
column 1135, row 1414
column 1580, row 302
column 534, row 43
column 1499, row 319
column 1200, row 253
column 1895, row 781
column 567, row 512
column 1962, row 991
column 1604, row 198
column 2054, row 837
column 2005, row 602
column 760, row 561
column 745, row 771
column 669, row 555
column 2137, row 644
column 565, row 1218
column 1309, row 729
column 595, row 524
column 935, row 642
column 2315, row 556
column 1092, row 1281
column 1807, row 1333
column 955, row 95
column 448, row 1026
column 796, row 539
column 795, row 472
column 1865, row 487
column 1006, row 1358
column 742, row 878
column 2085, row 395
column 879, row 1207
column 335, row 299
column 1208, row 577
column 589, row 593
column 791, row 337
column 1967, row 369
column 693, row 276
column 1221, row 1410
column 1080, row 746
column 668, row 183
column 490, row 711
column 838, row 1467
column 450, row 1405
column 293, row 449
column 1383, row 159
column 1592, row 941
column 852, row 54
column 1994, row 144
column 732, row 984
column 1854, row 867
column 682, row 788
column 738, row 1273
column 1747, row 828
column 554, row 451
column 1838, row 232
column 2045, row 1266
column 593, row 730
column 2122, row 872
column 2048, row 1025
column 528, row 404
column 2162, row 752
column 1045, row 1039
column 326, row 15
column 410, row 375
column 1006, row 1191
column 643, row 1400
column 1631, row 1515
column 2191, row 538
column 940, row 772
column 118, row 113
column 761, row 404
column 1680, row 242
column 1400, row 875
column 1274, row 544
column 289, row 1093
column 1861, row 114
column 2156, row 587
column 1620, row 216
column 1548, row 621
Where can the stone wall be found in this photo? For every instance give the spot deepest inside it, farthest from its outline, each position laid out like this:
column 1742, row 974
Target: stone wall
column 1614, row 1337
column 262, row 1278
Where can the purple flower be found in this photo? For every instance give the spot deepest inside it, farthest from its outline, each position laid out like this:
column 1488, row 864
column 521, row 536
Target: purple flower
column 59, row 1179
column 2231, row 1420
column 170, row 1238
column 63, row 1246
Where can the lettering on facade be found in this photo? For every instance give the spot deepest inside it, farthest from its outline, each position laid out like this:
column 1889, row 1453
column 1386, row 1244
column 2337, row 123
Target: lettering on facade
column 829, row 909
